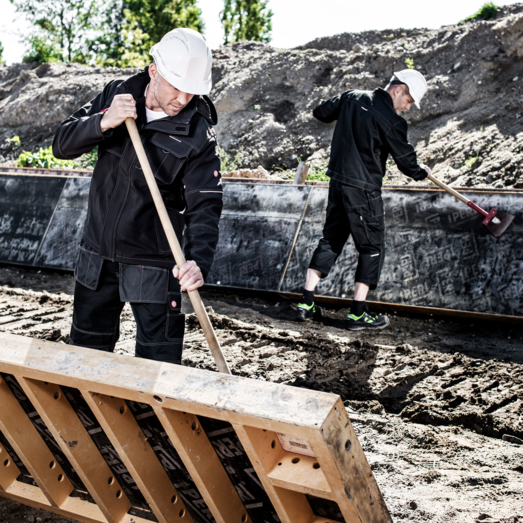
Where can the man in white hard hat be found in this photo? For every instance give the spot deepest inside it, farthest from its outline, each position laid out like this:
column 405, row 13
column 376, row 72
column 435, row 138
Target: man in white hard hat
column 124, row 255
column 369, row 128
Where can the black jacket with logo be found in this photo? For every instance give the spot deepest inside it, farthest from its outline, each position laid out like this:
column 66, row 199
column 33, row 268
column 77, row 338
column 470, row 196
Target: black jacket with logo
column 368, row 129
column 122, row 222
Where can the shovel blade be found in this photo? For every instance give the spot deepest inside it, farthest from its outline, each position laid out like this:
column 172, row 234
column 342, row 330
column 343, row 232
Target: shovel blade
column 497, row 229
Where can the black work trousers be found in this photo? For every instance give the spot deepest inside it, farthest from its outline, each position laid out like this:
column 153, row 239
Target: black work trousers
column 103, row 287
column 357, row 212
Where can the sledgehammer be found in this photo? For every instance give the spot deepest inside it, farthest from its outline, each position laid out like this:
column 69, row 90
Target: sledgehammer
column 174, row 244
column 497, row 222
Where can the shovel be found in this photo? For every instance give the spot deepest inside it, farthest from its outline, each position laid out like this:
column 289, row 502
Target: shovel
column 196, row 301
column 497, row 222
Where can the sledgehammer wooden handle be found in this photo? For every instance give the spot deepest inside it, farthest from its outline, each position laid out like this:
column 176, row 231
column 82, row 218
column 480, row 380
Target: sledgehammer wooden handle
column 196, row 301
column 447, row 188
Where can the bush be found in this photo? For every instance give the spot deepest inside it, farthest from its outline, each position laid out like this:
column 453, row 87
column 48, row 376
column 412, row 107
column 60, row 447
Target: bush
column 317, row 173
column 43, row 159
column 486, row 12
column 229, row 164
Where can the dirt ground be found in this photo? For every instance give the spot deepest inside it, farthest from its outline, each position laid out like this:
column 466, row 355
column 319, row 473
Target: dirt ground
column 437, row 404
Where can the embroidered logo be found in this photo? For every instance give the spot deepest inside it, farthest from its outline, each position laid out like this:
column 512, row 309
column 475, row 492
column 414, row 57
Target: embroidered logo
column 216, row 174
column 173, row 304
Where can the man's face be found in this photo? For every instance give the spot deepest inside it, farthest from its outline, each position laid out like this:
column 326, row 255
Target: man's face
column 401, row 98
column 166, row 97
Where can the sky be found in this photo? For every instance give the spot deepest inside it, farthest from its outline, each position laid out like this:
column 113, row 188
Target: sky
column 296, row 22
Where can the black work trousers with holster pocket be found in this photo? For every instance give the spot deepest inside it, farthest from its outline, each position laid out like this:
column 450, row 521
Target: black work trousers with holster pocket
column 103, row 287
column 360, row 213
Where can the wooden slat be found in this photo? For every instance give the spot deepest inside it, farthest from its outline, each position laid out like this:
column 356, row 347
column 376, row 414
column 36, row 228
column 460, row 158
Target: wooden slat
column 74, row 508
column 292, row 507
column 346, row 468
column 8, row 469
column 138, row 456
column 203, row 465
column 31, row 449
column 78, row 447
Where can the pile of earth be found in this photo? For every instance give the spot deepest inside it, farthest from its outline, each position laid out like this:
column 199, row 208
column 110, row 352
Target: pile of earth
column 468, row 129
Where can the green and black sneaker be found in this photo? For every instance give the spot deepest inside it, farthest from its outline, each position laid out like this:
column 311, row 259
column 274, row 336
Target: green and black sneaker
column 366, row 321
column 308, row 312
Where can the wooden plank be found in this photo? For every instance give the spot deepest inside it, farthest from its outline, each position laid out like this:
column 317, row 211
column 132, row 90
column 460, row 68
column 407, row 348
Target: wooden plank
column 31, row 449
column 78, row 447
column 292, row 507
column 200, row 459
column 8, row 469
column 137, row 455
column 347, row 470
column 74, row 508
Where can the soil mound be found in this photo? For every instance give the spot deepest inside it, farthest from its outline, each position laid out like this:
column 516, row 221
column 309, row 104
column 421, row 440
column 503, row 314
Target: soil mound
column 468, row 129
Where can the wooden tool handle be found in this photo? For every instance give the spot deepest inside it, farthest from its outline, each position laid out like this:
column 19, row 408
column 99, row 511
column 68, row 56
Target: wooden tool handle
column 448, row 189
column 174, row 244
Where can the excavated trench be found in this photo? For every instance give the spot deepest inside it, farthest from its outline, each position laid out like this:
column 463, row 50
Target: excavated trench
column 437, row 404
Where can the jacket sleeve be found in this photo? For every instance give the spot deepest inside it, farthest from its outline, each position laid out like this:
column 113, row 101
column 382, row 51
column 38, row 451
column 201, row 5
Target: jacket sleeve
column 328, row 110
column 204, row 202
column 81, row 132
column 403, row 152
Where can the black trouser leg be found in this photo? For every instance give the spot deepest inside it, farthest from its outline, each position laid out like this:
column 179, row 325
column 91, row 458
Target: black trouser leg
column 356, row 212
column 161, row 327
column 96, row 313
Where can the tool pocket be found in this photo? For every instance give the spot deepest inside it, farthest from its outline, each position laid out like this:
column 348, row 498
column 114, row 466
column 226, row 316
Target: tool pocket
column 88, row 267
column 375, row 203
column 140, row 284
column 167, row 154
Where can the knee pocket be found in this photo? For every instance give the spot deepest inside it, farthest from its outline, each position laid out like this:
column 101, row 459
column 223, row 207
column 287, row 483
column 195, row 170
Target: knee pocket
column 175, row 326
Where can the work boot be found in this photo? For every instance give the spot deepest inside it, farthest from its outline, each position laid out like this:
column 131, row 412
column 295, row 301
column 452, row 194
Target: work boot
column 308, row 312
column 367, row 321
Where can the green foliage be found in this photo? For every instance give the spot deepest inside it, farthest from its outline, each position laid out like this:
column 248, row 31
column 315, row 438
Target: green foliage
column 409, row 62
column 15, row 140
column 88, row 159
column 486, row 12
column 2, row 61
column 318, row 173
column 246, row 20
column 43, row 159
column 63, row 28
column 228, row 163
column 146, row 21
column 470, row 161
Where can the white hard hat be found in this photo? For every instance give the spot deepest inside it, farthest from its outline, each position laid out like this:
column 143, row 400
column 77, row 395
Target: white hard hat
column 184, row 59
column 416, row 83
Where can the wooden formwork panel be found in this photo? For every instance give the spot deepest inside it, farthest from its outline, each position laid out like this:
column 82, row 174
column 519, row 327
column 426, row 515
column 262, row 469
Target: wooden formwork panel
column 100, row 437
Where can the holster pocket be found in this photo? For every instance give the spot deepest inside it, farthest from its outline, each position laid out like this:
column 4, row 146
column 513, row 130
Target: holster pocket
column 141, row 284
column 369, row 269
column 376, row 207
column 174, row 326
column 88, row 268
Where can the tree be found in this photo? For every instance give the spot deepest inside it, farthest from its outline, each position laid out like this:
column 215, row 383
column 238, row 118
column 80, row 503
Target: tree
column 63, row 28
column 148, row 20
column 246, row 20
column 2, row 61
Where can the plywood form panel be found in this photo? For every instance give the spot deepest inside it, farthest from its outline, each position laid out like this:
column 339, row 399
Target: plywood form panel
column 248, row 413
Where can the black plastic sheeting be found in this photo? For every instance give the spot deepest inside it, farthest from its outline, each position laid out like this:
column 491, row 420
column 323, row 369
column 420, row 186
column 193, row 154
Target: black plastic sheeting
column 439, row 254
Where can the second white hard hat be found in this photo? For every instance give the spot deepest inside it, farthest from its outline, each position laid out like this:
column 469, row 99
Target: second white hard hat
column 416, row 83
column 184, row 59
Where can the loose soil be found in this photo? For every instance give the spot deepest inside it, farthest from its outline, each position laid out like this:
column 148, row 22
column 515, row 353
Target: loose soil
column 437, row 404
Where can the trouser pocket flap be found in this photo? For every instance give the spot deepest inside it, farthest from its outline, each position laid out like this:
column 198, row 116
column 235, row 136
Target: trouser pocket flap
column 88, row 268
column 141, row 284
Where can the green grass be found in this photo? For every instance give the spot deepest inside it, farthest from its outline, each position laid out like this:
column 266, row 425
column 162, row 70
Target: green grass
column 44, row 159
column 317, row 173
column 470, row 161
column 409, row 62
column 229, row 163
column 486, row 12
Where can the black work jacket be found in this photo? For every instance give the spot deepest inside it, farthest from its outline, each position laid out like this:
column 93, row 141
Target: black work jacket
column 368, row 129
column 122, row 222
